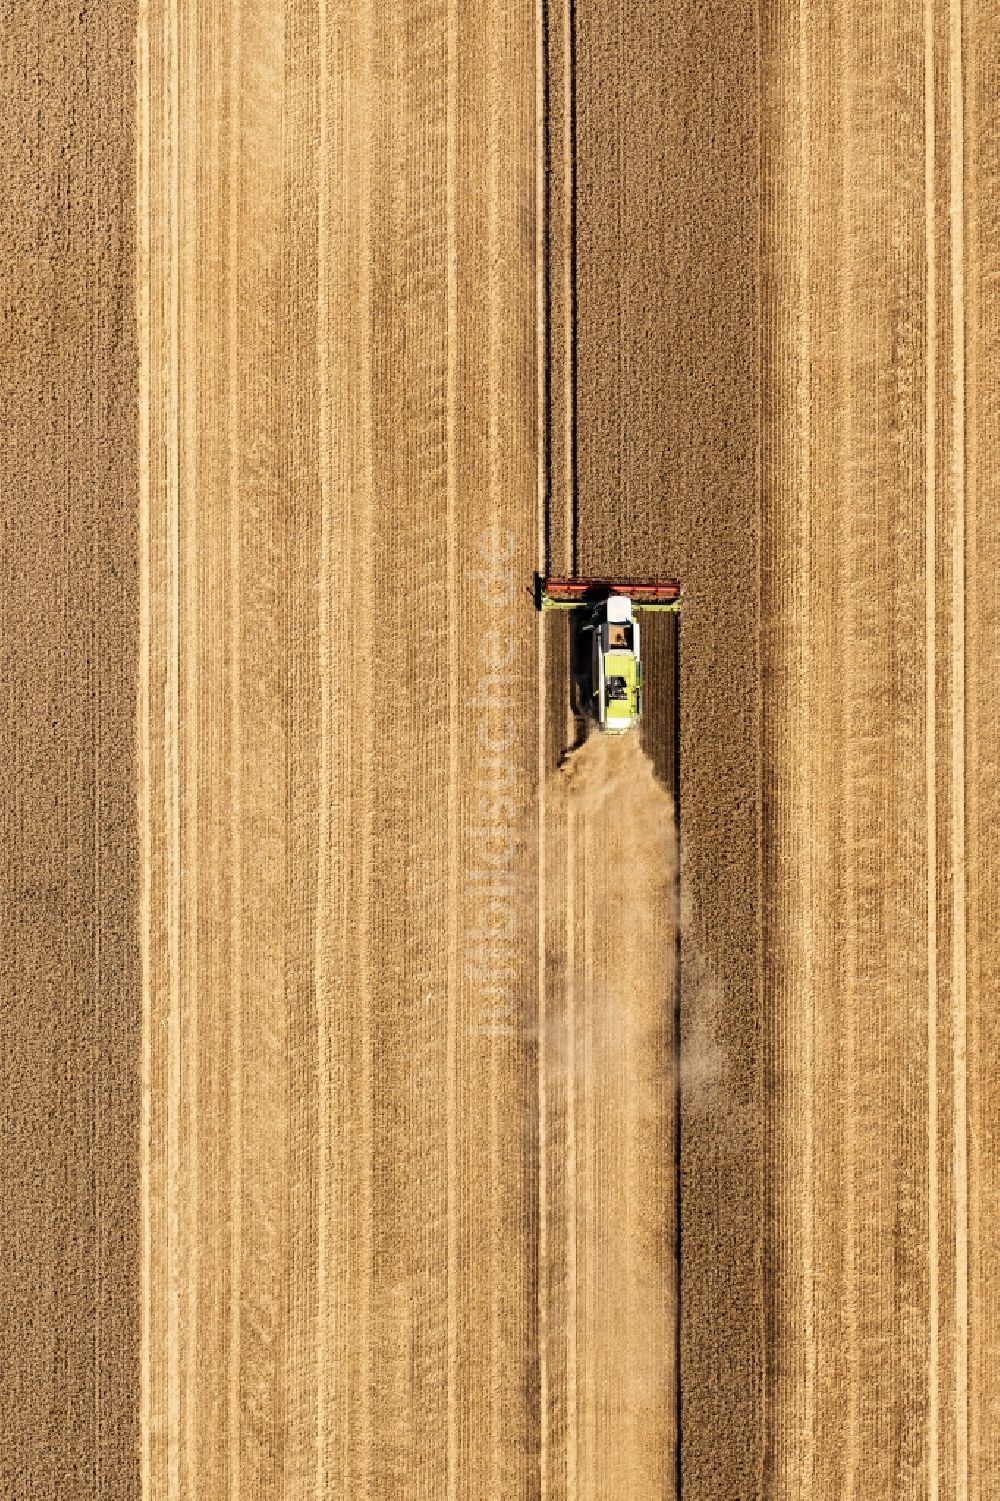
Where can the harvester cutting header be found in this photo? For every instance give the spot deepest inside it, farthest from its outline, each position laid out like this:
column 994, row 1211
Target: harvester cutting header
column 608, row 609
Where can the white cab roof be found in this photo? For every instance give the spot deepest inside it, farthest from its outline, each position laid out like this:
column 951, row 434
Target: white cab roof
column 619, row 607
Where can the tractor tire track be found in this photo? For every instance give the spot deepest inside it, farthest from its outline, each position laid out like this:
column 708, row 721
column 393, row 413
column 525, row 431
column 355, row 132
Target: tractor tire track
column 976, row 50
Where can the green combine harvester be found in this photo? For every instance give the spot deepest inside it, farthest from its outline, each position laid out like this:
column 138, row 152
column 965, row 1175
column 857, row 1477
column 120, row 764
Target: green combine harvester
column 608, row 609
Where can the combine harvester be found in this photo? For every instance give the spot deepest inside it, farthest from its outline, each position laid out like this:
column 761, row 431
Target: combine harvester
column 613, row 686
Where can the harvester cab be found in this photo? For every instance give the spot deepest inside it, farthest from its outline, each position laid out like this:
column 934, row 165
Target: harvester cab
column 607, row 610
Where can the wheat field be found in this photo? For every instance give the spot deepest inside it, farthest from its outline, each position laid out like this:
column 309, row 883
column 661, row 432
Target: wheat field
column 405, row 1097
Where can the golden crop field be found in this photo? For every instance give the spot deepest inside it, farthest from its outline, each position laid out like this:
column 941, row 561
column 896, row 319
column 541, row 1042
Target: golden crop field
column 403, row 1096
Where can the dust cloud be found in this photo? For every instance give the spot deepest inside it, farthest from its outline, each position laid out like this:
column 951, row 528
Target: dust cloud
column 612, row 778
column 626, row 831
column 607, row 767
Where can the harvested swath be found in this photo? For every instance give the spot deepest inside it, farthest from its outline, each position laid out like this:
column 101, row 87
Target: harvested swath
column 608, row 1055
